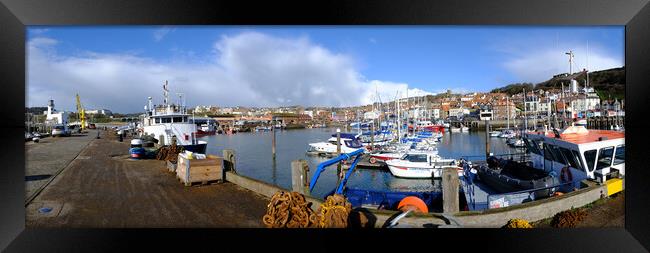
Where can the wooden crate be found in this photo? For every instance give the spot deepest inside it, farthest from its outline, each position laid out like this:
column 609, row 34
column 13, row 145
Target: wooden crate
column 198, row 170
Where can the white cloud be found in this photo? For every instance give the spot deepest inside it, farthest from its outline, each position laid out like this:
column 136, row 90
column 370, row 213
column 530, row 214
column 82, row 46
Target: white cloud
column 540, row 65
column 160, row 34
column 249, row 69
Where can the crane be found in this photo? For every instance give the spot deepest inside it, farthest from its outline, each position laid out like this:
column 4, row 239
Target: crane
column 82, row 114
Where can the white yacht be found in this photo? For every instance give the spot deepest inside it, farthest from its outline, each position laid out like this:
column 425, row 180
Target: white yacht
column 507, row 133
column 167, row 121
column 421, row 164
column 349, row 143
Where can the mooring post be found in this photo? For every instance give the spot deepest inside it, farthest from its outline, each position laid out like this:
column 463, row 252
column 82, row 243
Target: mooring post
column 273, row 144
column 372, row 136
column 228, row 163
column 298, row 175
column 487, row 139
column 450, row 185
column 339, row 171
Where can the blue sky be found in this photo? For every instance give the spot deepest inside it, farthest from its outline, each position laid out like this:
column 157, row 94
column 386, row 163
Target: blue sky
column 281, row 65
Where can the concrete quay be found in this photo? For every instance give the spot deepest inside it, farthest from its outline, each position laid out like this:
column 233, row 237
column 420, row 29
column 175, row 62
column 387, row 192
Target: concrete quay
column 103, row 188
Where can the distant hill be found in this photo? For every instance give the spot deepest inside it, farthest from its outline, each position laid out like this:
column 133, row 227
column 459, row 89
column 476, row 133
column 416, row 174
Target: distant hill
column 514, row 88
column 609, row 83
column 35, row 110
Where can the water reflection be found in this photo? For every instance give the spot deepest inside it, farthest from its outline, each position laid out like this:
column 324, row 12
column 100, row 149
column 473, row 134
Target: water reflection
column 254, row 158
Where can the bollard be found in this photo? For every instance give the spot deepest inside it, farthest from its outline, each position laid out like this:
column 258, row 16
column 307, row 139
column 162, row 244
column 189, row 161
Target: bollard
column 228, row 163
column 97, row 134
column 450, row 186
column 298, row 175
column 273, row 143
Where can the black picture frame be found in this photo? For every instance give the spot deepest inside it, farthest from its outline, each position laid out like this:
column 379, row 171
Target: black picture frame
column 16, row 14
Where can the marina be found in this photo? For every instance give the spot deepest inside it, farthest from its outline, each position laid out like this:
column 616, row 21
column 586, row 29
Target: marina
column 522, row 152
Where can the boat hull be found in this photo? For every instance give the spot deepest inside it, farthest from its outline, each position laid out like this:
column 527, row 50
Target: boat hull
column 419, row 172
column 196, row 148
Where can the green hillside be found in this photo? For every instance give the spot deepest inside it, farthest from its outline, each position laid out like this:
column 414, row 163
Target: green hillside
column 609, row 83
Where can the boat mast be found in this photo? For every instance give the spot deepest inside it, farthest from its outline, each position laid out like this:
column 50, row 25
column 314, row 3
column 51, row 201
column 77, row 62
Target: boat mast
column 508, row 111
column 398, row 119
column 525, row 112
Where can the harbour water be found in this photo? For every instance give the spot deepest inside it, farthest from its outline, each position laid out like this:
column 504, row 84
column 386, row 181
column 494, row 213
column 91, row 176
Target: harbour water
column 254, row 158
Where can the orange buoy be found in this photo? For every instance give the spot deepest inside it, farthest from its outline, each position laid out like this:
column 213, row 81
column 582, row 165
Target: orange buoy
column 413, row 201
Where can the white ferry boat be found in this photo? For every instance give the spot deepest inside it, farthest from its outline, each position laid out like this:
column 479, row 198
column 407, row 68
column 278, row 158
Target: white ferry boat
column 168, row 121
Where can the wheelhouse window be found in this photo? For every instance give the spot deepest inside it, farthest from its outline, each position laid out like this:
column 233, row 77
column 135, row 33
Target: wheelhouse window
column 570, row 158
column 178, row 119
column 416, row 158
column 532, row 147
column 605, row 157
column 157, row 120
column 619, row 155
column 590, row 157
column 576, row 156
column 558, row 155
column 166, row 120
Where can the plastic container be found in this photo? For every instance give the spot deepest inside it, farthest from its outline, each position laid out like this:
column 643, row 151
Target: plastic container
column 137, row 153
column 136, row 143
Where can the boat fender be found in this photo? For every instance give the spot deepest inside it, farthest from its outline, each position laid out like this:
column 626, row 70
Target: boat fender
column 412, row 201
column 565, row 174
column 373, row 160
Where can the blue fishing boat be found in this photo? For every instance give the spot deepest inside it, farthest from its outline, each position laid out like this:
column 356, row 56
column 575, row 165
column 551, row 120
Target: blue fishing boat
column 430, row 200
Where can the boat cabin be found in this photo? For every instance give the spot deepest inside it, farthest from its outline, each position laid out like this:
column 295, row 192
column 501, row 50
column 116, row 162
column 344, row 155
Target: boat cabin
column 347, row 139
column 160, row 119
column 593, row 154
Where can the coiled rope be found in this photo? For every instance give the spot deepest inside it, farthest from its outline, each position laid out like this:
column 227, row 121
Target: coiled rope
column 291, row 210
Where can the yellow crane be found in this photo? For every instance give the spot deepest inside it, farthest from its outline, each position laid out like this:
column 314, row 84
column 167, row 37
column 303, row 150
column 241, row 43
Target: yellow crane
column 82, row 114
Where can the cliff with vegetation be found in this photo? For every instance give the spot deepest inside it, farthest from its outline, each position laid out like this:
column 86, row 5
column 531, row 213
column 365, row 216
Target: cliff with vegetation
column 609, row 83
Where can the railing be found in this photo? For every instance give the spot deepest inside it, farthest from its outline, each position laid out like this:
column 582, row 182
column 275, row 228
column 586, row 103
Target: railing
column 514, row 156
column 519, row 197
column 321, row 167
column 468, row 177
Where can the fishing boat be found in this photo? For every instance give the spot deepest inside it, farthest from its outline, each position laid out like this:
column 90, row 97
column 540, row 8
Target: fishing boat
column 421, row 164
column 511, row 176
column 578, row 153
column 171, row 122
column 406, row 200
column 349, row 142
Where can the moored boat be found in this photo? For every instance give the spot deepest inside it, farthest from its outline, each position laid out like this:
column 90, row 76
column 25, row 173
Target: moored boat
column 421, row 164
column 349, row 142
column 171, row 122
column 510, row 176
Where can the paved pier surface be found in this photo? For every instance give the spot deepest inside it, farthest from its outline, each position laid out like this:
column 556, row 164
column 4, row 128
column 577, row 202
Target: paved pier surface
column 103, row 188
column 50, row 155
